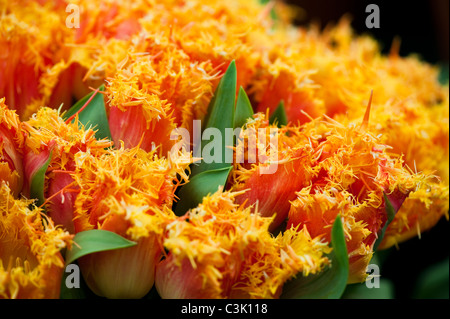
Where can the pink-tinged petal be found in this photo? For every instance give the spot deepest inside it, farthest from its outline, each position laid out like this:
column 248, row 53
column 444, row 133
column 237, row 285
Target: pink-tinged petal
column 296, row 103
column 181, row 281
column 131, row 127
column 61, row 200
column 396, row 199
column 272, row 193
column 103, row 20
column 18, row 90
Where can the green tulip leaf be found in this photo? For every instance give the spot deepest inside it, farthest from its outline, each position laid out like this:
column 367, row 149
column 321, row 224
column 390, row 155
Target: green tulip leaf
column 390, row 214
column 332, row 281
column 38, row 181
column 244, row 109
column 279, row 116
column 199, row 186
column 220, row 117
column 95, row 240
column 92, row 114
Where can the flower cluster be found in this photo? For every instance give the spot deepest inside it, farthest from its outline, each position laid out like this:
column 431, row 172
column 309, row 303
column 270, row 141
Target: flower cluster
column 365, row 136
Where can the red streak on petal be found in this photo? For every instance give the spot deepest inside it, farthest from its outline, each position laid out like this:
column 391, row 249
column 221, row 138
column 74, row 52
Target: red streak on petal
column 83, row 107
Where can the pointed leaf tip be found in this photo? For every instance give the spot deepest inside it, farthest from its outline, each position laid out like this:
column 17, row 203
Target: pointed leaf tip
column 91, row 111
column 200, row 185
column 279, row 115
column 95, row 240
column 220, row 118
column 244, row 109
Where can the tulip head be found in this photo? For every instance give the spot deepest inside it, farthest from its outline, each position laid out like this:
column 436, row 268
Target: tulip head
column 223, row 250
column 354, row 175
column 137, row 118
column 32, row 59
column 51, row 145
column 129, row 192
column 205, row 249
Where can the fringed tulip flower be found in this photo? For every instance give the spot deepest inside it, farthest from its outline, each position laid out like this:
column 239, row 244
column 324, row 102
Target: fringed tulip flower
column 342, row 168
column 139, row 118
column 101, row 41
column 270, row 192
column 417, row 132
column 292, row 253
column 31, row 265
column 331, row 72
column 129, row 192
column 160, row 63
column 354, row 174
column 32, row 38
column 11, row 149
column 419, row 213
column 54, row 143
column 206, row 248
column 222, row 250
column 154, row 93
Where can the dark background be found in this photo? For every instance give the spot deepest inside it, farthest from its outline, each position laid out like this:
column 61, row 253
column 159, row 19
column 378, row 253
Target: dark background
column 423, row 28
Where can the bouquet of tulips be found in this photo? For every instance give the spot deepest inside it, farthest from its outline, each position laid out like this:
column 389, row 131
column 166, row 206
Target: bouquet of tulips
column 184, row 149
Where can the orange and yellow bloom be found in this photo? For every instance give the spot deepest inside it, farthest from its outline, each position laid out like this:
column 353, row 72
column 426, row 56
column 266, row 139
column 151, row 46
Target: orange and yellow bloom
column 160, row 63
column 11, row 149
column 223, row 250
column 326, row 169
column 129, row 192
column 31, row 265
column 53, row 142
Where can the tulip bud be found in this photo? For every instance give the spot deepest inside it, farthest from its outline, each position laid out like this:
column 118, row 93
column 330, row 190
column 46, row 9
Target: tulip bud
column 129, row 192
column 122, row 273
column 224, row 250
column 137, row 118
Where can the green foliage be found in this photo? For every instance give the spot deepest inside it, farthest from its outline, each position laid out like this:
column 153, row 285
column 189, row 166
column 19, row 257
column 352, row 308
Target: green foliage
column 279, row 116
column 37, row 182
column 93, row 114
column 95, row 240
column 331, row 282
